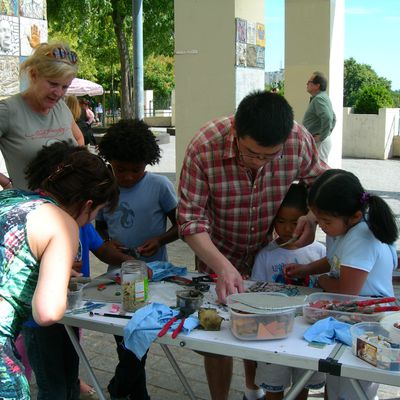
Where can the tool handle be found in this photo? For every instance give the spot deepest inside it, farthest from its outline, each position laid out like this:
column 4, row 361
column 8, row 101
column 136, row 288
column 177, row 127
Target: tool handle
column 387, row 308
column 342, row 306
column 165, row 328
column 178, row 329
column 366, row 303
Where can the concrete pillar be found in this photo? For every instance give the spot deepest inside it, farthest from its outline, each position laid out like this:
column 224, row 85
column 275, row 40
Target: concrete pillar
column 314, row 41
column 205, row 71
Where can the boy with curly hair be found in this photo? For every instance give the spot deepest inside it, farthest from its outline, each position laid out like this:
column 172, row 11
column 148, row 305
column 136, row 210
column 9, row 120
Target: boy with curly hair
column 146, row 199
column 139, row 222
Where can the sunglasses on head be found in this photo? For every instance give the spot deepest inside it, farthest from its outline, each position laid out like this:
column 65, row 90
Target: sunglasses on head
column 61, row 54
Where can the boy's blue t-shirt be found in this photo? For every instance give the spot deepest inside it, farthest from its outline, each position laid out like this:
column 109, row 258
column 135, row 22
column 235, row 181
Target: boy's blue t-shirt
column 141, row 213
column 90, row 240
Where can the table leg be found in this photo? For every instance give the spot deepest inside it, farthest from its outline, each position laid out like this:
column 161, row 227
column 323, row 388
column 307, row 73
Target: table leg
column 358, row 388
column 298, row 386
column 178, row 371
column 85, row 361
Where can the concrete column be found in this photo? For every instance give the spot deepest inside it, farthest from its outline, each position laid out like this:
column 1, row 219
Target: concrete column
column 314, row 41
column 205, row 71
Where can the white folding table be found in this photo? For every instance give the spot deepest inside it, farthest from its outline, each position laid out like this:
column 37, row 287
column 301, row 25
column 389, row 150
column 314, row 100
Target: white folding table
column 294, row 351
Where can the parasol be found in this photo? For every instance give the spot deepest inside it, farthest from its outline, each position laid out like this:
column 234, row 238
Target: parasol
column 82, row 87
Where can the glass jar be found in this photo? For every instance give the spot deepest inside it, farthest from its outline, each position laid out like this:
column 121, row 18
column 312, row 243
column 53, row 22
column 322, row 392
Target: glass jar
column 135, row 285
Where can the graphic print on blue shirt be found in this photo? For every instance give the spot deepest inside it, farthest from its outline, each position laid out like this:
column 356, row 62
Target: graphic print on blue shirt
column 127, row 215
column 277, row 273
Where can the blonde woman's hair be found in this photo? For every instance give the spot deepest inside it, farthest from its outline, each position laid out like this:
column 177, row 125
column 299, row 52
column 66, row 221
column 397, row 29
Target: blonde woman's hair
column 73, row 104
column 47, row 66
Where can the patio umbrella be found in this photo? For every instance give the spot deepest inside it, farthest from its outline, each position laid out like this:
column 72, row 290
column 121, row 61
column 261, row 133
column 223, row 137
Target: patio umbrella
column 82, row 87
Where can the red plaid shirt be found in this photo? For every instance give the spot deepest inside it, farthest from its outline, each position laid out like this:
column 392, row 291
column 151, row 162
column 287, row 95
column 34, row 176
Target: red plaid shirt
column 219, row 196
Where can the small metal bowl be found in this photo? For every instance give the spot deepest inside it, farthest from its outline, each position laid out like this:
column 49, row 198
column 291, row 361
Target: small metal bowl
column 189, row 299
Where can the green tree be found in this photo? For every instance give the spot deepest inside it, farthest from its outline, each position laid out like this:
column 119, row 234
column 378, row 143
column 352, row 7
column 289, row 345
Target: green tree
column 101, row 31
column 356, row 77
column 159, row 75
column 396, row 98
column 372, row 98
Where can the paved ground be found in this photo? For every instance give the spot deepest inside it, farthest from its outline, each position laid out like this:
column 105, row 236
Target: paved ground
column 377, row 176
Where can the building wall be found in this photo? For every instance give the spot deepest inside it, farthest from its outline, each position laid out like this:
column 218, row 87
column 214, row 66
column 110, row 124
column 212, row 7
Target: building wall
column 370, row 135
column 314, row 41
column 205, row 72
column 23, row 25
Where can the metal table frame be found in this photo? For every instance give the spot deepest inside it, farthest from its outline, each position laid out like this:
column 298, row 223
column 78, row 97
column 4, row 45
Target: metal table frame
column 293, row 351
column 222, row 343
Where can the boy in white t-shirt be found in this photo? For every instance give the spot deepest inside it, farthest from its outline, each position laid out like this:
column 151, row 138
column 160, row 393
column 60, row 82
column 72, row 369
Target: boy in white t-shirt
column 268, row 267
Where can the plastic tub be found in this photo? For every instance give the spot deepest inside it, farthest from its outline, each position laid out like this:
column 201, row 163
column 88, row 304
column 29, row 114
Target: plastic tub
column 371, row 343
column 392, row 324
column 312, row 314
column 263, row 325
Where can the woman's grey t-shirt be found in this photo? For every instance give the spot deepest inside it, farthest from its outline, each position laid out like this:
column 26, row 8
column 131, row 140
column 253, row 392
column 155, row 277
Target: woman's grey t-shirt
column 24, row 132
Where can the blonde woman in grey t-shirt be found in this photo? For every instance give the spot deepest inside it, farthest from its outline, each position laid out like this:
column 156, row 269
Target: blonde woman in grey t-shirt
column 38, row 116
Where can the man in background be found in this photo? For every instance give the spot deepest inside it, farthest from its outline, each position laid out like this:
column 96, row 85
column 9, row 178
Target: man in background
column 319, row 118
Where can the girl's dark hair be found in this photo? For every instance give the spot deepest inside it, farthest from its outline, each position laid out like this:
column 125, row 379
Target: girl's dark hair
column 73, row 175
column 47, row 160
column 340, row 193
column 296, row 197
column 130, row 140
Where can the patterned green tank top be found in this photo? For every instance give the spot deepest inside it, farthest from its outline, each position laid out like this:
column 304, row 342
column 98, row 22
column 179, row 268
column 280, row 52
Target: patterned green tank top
column 19, row 269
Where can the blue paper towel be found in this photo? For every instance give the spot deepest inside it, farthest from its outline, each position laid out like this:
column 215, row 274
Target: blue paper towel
column 164, row 269
column 327, row 331
column 142, row 329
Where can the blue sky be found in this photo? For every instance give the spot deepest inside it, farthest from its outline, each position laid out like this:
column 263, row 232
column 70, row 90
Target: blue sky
column 372, row 35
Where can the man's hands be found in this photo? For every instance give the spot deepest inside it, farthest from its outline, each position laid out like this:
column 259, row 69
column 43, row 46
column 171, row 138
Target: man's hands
column 229, row 282
column 305, row 230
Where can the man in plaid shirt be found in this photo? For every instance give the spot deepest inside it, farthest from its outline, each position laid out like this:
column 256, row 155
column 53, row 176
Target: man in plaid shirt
column 235, row 175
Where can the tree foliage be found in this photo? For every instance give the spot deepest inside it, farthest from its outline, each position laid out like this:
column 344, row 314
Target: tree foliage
column 372, row 98
column 101, row 33
column 356, row 77
column 159, row 74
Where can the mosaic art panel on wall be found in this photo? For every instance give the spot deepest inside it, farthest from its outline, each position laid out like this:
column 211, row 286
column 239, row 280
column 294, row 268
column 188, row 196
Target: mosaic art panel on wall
column 9, row 7
column 9, row 70
column 32, row 32
column 9, row 35
column 23, row 26
column 250, row 44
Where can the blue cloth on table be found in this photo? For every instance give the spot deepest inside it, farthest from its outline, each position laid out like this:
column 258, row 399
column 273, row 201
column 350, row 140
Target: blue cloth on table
column 164, row 269
column 142, row 329
column 327, row 331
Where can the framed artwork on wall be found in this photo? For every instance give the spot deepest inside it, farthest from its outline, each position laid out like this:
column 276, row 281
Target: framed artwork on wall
column 32, row 32
column 9, row 36
column 9, row 7
column 9, row 71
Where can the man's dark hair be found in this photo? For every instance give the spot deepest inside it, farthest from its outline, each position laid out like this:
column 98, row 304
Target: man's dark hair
column 130, row 140
column 319, row 78
column 265, row 117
